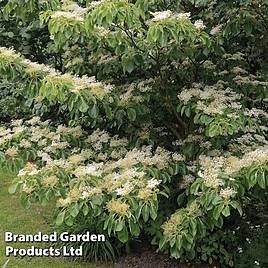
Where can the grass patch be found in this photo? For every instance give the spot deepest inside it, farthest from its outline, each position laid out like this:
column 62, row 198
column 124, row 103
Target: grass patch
column 16, row 219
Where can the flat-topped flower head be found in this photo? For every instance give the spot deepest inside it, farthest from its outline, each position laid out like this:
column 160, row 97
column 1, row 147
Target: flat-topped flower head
column 183, row 15
column 162, row 15
column 118, row 207
column 152, row 183
column 172, row 226
column 71, row 10
column 216, row 30
column 11, row 152
column 50, row 182
column 213, row 99
column 145, row 194
column 167, row 14
column 34, row 67
column 199, row 25
column 9, row 54
column 227, row 193
column 95, row 4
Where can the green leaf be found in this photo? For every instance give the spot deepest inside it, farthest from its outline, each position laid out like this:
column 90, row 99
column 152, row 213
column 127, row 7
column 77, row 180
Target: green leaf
column 217, row 211
column 12, row 188
column 128, row 64
column 83, row 106
column 145, row 213
column 214, row 130
column 193, row 227
column 237, row 206
column 134, row 228
column 262, row 180
column 188, row 111
column 123, row 235
column 74, row 211
column 108, row 110
column 119, row 226
column 166, row 177
column 69, row 221
column 131, row 113
column 175, row 252
column 106, row 223
column 153, row 211
column 179, row 242
column 194, row 187
column 120, row 115
column 25, row 201
column 60, row 217
column 85, row 210
column 181, row 199
column 97, row 200
column 162, row 242
column 94, row 111
column 226, row 211
column 138, row 212
column 176, row 169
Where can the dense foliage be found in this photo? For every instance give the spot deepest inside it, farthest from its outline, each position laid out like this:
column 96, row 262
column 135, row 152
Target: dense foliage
column 139, row 118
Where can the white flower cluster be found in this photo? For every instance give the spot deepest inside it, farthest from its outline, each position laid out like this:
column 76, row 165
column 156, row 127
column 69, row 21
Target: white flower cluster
column 125, row 189
column 249, row 79
column 247, row 142
column 183, row 15
column 167, row 14
column 163, row 15
column 71, row 10
column 215, row 170
column 199, row 25
column 210, row 170
column 103, row 32
column 94, row 4
column 152, row 183
column 216, row 30
column 100, row 164
column 211, row 100
column 187, row 180
column 9, row 54
column 234, row 164
column 238, row 70
column 178, row 157
column 76, row 84
column 209, row 65
column 234, row 57
column 160, row 158
column 256, row 113
column 29, row 170
column 88, row 192
column 67, row 15
column 89, row 170
column 227, row 193
column 135, row 91
column 33, row 67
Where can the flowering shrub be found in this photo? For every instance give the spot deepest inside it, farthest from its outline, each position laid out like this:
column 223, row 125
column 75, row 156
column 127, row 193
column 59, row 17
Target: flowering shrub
column 120, row 188
column 48, row 87
column 97, row 175
column 157, row 117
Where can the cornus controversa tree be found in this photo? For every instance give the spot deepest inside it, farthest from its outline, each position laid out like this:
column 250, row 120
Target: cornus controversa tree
column 173, row 96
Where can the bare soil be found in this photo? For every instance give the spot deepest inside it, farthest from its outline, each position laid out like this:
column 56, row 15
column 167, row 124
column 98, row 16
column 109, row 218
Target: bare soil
column 147, row 258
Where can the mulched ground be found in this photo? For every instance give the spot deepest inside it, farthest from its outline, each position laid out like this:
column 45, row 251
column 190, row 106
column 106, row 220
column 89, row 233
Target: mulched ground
column 147, row 258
